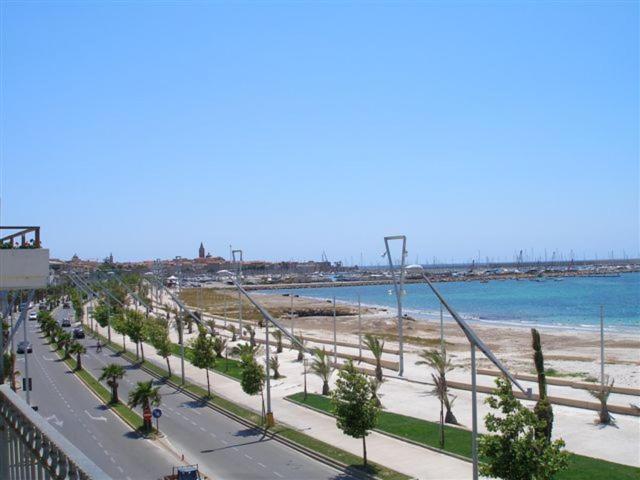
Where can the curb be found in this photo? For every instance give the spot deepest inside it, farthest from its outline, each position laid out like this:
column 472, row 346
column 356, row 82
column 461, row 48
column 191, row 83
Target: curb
column 391, row 435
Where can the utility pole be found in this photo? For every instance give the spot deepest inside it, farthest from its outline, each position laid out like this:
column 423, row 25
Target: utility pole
column 269, row 420
column 359, row 329
column 26, row 363
column 335, row 335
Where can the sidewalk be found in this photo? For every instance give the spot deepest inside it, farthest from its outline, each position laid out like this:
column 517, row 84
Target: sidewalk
column 406, row 458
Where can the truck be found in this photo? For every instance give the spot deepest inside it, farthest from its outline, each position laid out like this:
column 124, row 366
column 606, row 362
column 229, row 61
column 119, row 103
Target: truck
column 185, row 472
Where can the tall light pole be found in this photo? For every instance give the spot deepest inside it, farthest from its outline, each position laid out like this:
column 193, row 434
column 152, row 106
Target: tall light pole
column 474, row 342
column 269, row 417
column 239, row 280
column 359, row 329
column 602, row 348
column 398, row 285
column 335, row 334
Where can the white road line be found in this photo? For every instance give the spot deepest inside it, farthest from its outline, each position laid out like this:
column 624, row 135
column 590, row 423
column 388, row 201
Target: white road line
column 225, row 442
column 112, row 460
column 202, row 428
column 213, row 435
column 247, row 456
column 263, row 466
column 276, row 473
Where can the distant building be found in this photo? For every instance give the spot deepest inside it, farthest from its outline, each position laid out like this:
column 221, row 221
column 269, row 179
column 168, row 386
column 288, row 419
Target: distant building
column 201, row 251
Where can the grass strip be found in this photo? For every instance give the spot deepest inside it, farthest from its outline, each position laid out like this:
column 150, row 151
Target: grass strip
column 353, row 462
column 227, row 366
column 458, row 441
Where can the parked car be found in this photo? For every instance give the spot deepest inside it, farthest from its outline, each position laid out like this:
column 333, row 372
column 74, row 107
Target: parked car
column 78, row 333
column 33, row 316
column 24, row 346
column 65, row 305
column 66, row 322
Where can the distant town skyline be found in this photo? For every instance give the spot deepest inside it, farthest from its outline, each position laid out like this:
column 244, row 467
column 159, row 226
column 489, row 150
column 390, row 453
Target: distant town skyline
column 289, row 129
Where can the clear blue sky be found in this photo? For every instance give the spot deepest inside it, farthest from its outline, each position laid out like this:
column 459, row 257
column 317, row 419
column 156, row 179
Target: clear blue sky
column 289, row 128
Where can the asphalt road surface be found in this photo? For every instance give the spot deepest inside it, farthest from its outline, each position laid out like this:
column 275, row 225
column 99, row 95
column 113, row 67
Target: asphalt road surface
column 67, row 404
column 223, row 448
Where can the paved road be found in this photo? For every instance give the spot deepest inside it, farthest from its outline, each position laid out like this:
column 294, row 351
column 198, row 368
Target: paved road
column 68, row 405
column 222, row 447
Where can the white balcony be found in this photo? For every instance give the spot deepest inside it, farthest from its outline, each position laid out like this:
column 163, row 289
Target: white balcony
column 24, row 268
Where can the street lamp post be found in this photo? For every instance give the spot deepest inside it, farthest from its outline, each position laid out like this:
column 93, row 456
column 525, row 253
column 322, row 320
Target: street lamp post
column 239, row 280
column 269, row 420
column 335, row 334
column 359, row 329
column 398, row 285
column 305, row 362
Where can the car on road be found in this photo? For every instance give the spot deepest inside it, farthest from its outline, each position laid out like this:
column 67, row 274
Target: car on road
column 24, row 346
column 65, row 305
column 33, row 316
column 66, row 322
column 78, row 333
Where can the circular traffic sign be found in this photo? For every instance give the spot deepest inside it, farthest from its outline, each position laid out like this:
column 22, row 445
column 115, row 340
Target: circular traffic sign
column 157, row 413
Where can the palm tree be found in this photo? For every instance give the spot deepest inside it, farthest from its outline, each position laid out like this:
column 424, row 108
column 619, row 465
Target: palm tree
column 76, row 348
column 244, row 351
column 321, row 366
column 64, row 341
column 145, row 395
column 219, row 344
column 274, row 364
column 232, row 329
column 112, row 373
column 297, row 346
column 278, row 336
column 376, row 346
column 442, row 365
column 375, row 388
column 252, row 335
column 602, row 394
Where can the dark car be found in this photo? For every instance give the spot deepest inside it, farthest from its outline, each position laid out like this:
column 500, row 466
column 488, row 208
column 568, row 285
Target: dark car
column 66, row 322
column 78, row 333
column 65, row 305
column 24, row 346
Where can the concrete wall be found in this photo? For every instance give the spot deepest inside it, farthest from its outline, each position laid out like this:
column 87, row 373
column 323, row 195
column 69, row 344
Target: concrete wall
column 24, row 268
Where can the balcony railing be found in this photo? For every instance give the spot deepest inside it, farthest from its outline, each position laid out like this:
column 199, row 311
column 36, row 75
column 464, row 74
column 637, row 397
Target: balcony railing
column 7, row 241
column 31, row 449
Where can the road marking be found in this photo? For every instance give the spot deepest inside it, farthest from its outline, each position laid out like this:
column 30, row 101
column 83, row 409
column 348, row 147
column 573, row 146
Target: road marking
column 213, row 435
column 202, row 428
column 100, row 445
column 102, row 419
column 276, row 473
column 112, row 459
column 263, row 466
column 225, row 442
column 247, row 456
column 54, row 419
column 120, row 469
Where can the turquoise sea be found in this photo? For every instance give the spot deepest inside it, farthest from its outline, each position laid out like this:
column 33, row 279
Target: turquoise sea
column 573, row 302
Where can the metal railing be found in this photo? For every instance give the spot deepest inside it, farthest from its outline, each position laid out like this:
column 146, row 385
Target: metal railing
column 31, row 449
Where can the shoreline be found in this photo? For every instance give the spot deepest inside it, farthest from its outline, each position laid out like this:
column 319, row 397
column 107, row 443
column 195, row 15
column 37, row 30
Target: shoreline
column 421, row 316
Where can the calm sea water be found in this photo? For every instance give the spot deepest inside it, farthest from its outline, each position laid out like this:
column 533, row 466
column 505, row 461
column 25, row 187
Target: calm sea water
column 573, row 302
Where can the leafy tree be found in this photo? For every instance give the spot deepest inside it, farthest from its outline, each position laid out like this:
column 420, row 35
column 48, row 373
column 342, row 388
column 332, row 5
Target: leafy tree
column 145, row 395
column 442, row 365
column 321, row 366
column 112, row 373
column 274, row 364
column 10, row 369
column 77, row 349
column 602, row 395
column 162, row 343
column 376, row 346
column 204, row 355
column 219, row 344
column 136, row 330
column 120, row 325
column 252, row 378
column 513, row 449
column 277, row 334
column 543, row 408
column 354, row 404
